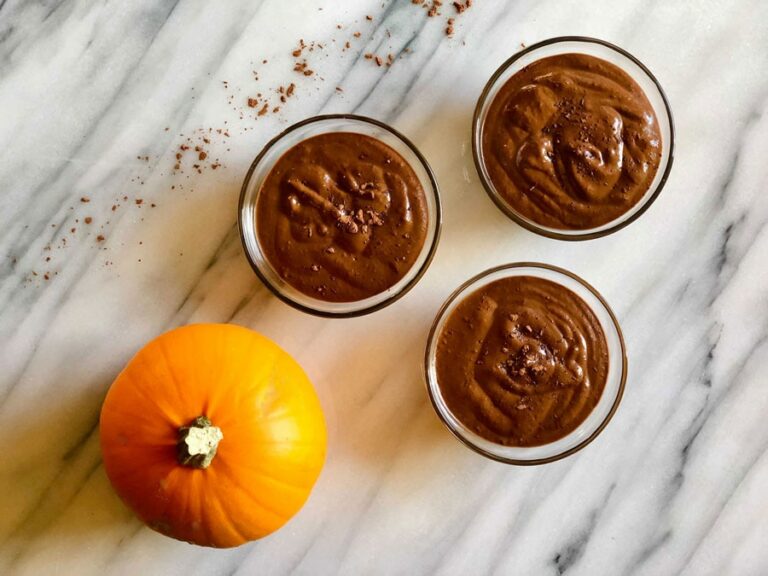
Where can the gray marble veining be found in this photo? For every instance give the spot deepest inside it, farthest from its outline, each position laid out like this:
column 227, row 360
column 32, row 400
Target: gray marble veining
column 675, row 485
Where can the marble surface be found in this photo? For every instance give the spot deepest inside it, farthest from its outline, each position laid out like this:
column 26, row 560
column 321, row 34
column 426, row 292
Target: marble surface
column 94, row 99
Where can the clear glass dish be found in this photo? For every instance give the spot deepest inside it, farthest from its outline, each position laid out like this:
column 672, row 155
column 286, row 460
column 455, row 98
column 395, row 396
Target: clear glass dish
column 260, row 169
column 600, row 49
column 597, row 419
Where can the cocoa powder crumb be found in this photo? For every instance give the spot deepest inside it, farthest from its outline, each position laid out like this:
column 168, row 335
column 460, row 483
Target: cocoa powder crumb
column 88, row 220
column 139, row 201
column 85, row 199
column 252, row 102
column 99, row 238
column 202, row 155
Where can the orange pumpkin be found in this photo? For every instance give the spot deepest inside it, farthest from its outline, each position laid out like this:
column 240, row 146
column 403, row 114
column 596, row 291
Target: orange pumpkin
column 213, row 434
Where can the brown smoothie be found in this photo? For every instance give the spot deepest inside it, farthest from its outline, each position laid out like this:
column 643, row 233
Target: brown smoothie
column 522, row 361
column 571, row 142
column 341, row 217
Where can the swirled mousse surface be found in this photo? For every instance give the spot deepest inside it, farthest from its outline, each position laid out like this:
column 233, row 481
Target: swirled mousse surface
column 342, row 216
column 522, row 361
column 571, row 142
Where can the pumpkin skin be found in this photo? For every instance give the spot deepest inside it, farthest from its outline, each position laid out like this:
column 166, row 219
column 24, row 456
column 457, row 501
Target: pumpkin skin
column 271, row 453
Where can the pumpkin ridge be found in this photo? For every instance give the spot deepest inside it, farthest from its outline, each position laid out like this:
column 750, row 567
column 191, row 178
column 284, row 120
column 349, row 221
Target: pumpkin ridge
column 224, row 514
column 206, row 519
column 172, row 374
column 155, row 518
column 214, row 403
column 248, row 494
column 262, row 472
column 131, row 411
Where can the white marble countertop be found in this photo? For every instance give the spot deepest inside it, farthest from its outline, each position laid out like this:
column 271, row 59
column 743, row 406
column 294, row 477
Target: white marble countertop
column 678, row 481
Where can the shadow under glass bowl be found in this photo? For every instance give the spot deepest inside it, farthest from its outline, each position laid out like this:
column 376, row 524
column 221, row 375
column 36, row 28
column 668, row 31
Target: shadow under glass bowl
column 605, row 51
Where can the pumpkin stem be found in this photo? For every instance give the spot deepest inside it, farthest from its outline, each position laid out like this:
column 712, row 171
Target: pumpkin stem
column 198, row 442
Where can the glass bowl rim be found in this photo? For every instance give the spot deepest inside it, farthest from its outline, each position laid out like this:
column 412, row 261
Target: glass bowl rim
column 462, row 290
column 574, row 236
column 433, row 241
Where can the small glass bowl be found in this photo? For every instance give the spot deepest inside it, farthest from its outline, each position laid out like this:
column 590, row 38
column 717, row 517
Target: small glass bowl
column 597, row 419
column 263, row 164
column 600, row 49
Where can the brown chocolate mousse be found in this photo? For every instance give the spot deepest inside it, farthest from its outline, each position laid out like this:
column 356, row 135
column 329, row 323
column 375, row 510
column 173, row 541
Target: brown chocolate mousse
column 522, row 361
column 341, row 217
column 571, row 142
